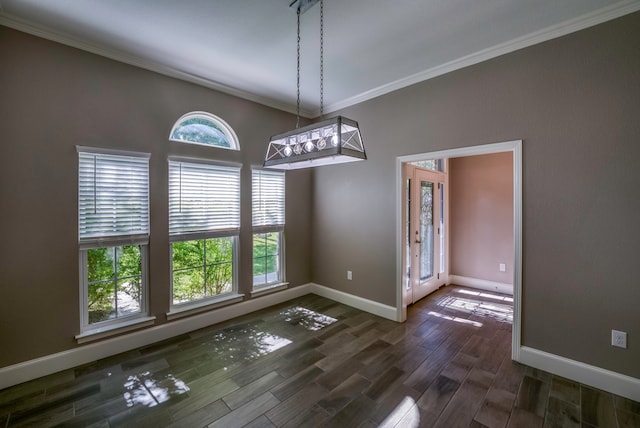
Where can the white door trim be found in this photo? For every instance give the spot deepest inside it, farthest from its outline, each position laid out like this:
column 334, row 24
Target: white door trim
column 419, row 288
column 514, row 147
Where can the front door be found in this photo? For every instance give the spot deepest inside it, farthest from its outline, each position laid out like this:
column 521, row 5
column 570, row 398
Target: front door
column 423, row 232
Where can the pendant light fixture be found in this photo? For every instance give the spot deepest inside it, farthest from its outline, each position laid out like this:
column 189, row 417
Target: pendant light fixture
column 327, row 142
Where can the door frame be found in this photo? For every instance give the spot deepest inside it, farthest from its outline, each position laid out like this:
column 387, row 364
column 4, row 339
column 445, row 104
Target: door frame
column 515, row 147
column 440, row 278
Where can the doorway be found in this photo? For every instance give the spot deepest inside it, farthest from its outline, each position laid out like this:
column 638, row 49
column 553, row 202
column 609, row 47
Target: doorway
column 515, row 147
column 424, row 230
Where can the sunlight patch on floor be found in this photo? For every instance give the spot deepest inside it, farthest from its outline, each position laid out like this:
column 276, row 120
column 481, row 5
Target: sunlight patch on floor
column 456, row 319
column 267, row 343
column 485, row 295
column 243, row 343
column 145, row 390
column 479, row 307
column 406, row 412
column 311, row 320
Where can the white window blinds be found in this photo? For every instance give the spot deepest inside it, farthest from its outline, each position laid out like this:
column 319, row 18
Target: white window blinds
column 113, row 195
column 203, row 197
column 268, row 197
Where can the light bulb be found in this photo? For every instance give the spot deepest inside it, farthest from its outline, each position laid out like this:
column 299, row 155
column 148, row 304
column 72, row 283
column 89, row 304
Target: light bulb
column 308, row 146
column 287, row 150
column 334, row 140
column 297, row 149
column 322, row 144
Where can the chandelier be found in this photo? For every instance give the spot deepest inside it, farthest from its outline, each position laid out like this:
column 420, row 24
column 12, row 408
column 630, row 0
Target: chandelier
column 327, row 142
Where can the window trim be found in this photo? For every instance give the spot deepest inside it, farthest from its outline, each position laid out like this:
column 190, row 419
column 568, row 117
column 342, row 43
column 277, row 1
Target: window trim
column 268, row 289
column 228, row 165
column 123, row 327
column 118, row 153
column 114, row 152
column 260, row 170
column 203, row 305
column 100, row 329
column 281, row 281
column 205, row 302
column 219, row 122
column 87, row 329
column 187, row 159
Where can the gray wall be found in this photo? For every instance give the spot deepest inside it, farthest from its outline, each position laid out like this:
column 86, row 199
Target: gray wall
column 575, row 102
column 53, row 98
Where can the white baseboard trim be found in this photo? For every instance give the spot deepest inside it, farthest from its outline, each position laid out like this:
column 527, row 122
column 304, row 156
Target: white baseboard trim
column 49, row 364
column 33, row 369
column 384, row 311
column 606, row 380
column 616, row 383
column 481, row 284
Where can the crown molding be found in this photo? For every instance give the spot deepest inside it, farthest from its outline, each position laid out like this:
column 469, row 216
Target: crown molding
column 56, row 36
column 617, row 10
column 567, row 27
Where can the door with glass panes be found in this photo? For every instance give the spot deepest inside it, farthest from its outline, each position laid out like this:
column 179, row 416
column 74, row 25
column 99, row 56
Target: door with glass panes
column 424, row 232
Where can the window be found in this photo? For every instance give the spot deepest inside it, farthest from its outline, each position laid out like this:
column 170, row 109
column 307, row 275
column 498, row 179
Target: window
column 113, row 208
column 268, row 202
column 204, row 223
column 199, row 127
column 430, row 164
column 114, row 282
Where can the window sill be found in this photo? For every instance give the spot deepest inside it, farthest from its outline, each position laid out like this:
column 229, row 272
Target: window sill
column 113, row 329
column 268, row 289
column 195, row 308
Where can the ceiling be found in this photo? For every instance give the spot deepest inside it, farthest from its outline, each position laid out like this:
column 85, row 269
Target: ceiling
column 248, row 47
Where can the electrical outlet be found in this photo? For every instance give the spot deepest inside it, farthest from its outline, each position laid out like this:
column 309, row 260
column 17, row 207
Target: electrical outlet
column 349, row 275
column 503, row 267
column 619, row 339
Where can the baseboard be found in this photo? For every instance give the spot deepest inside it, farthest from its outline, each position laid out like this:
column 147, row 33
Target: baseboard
column 384, row 311
column 596, row 377
column 33, row 369
column 606, row 380
column 482, row 284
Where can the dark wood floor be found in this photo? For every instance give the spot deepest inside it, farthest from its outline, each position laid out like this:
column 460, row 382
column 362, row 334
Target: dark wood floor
column 314, row 362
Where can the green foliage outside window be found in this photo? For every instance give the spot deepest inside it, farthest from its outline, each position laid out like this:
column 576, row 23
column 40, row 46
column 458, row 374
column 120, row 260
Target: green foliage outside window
column 114, row 282
column 266, row 257
column 202, row 268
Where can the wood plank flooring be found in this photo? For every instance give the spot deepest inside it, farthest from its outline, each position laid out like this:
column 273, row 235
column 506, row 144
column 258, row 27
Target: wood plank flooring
column 314, row 362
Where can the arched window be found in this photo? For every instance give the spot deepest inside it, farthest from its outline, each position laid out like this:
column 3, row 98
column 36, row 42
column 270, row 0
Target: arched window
column 199, row 127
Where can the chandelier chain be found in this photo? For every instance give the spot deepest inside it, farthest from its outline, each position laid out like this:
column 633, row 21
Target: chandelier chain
column 298, row 74
column 321, row 59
